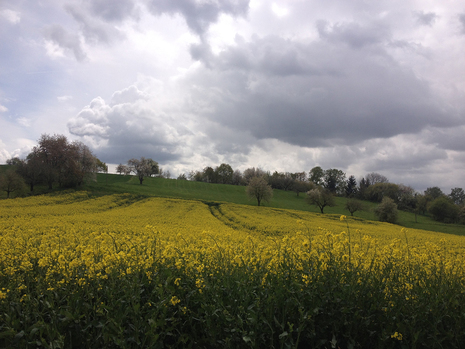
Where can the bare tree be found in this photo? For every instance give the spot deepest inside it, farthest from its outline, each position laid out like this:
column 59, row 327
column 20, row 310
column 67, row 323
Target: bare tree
column 259, row 189
column 374, row 178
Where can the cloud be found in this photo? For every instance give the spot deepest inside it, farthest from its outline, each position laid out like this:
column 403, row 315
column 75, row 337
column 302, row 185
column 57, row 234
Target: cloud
column 425, row 18
column 11, row 16
column 113, row 11
column 352, row 33
column 3, row 109
column 462, row 21
column 65, row 40
column 93, row 29
column 199, row 15
column 130, row 127
column 315, row 94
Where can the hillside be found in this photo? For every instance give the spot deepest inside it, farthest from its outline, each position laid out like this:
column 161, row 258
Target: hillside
column 161, row 187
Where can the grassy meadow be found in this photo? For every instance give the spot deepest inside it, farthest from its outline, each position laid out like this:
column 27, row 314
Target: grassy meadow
column 177, row 264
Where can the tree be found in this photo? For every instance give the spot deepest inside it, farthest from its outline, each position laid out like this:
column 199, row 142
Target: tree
column 386, row 211
column 462, row 215
column 433, row 192
column 302, row 186
column 378, row 191
column 406, row 198
column 224, row 174
column 334, row 180
column 82, row 163
column 31, row 170
column 374, row 178
column 182, row 177
column 363, row 186
column 209, row 175
column 13, row 161
column 444, row 210
column 316, row 175
column 299, row 176
column 237, row 178
column 353, row 205
column 60, row 161
column 351, row 187
column 320, row 197
column 11, row 182
column 143, row 167
column 259, row 189
column 101, row 166
column 457, row 195
column 280, row 180
column 123, row 169
column 252, row 172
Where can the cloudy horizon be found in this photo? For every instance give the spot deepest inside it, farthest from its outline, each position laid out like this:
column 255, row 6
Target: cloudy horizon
column 281, row 85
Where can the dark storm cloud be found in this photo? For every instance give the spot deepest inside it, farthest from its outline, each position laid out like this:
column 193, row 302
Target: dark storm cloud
column 319, row 93
column 199, row 14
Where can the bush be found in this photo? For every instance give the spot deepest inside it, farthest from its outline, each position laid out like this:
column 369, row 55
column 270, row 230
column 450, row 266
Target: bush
column 386, row 211
column 444, row 210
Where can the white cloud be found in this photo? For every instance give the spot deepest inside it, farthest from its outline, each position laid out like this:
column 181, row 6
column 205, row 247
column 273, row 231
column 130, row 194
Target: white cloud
column 11, row 16
column 3, row 109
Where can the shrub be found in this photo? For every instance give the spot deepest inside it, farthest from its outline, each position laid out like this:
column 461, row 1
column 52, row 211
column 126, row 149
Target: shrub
column 444, row 210
column 386, row 211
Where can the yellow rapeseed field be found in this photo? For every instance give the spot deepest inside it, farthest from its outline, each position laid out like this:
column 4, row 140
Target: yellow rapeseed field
column 77, row 236
column 124, row 271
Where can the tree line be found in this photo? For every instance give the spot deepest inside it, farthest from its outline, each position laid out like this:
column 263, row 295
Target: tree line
column 54, row 161
column 322, row 185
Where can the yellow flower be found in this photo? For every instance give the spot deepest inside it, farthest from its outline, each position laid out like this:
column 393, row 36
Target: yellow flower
column 175, row 300
column 343, row 218
column 177, row 281
column 397, row 336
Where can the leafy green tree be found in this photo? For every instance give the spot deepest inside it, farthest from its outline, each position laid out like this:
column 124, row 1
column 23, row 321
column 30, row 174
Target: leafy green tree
column 209, row 175
column 334, row 180
column 378, row 191
column 320, row 197
column 457, row 195
column 351, row 187
column 354, row 205
column 316, row 175
column 444, row 210
column 386, row 211
column 281, row 180
column 434, row 192
column 259, row 189
column 224, row 174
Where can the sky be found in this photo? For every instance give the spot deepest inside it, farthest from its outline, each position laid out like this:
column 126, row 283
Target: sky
column 361, row 86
